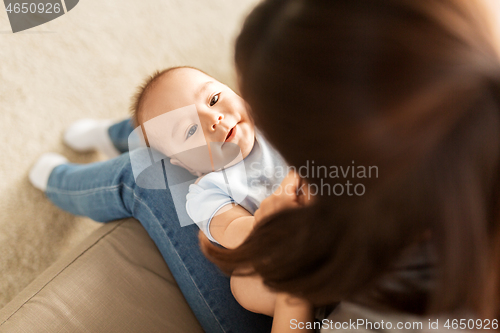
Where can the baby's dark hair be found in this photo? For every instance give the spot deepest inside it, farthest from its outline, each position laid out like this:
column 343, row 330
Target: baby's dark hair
column 143, row 90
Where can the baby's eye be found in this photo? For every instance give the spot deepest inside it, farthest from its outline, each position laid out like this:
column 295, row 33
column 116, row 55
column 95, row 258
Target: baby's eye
column 214, row 99
column 191, row 131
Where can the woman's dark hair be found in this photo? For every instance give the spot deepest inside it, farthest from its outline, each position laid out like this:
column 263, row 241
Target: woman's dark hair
column 411, row 87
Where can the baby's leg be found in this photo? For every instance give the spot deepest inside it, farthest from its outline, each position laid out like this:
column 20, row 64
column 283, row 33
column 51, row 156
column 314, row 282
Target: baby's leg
column 106, row 136
column 119, row 133
column 253, row 295
column 102, row 191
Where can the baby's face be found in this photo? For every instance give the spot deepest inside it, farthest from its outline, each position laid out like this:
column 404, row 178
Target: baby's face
column 187, row 109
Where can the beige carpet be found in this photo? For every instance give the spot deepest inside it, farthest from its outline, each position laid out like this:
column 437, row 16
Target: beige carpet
column 86, row 63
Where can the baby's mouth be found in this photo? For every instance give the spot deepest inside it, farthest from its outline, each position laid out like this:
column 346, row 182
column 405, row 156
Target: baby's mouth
column 229, row 134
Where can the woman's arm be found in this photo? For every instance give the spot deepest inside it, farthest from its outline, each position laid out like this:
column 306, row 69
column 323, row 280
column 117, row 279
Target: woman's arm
column 253, row 295
column 289, row 310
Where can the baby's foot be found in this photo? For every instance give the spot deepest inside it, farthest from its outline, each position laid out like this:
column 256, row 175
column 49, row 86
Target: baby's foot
column 91, row 134
column 40, row 172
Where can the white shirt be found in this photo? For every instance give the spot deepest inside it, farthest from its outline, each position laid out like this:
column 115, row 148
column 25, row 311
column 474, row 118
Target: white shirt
column 246, row 183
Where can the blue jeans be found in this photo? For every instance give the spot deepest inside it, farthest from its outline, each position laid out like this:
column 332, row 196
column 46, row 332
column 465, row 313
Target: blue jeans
column 106, row 191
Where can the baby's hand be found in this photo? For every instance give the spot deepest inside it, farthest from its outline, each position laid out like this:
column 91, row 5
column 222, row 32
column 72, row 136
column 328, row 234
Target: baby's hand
column 284, row 197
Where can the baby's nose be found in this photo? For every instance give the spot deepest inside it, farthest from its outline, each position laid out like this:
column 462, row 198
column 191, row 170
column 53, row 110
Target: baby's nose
column 216, row 121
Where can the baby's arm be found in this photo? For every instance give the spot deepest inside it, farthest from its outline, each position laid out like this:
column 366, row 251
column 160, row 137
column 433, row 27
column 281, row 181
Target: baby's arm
column 250, row 291
column 231, row 225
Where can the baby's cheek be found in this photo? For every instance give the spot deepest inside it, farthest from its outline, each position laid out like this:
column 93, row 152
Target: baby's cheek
column 162, row 148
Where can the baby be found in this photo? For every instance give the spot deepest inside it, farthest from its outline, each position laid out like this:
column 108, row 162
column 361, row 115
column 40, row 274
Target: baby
column 204, row 127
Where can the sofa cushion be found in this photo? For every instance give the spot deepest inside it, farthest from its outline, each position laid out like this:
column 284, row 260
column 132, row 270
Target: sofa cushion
column 115, row 281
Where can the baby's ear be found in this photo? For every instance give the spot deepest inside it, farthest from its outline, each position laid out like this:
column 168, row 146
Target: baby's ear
column 175, row 161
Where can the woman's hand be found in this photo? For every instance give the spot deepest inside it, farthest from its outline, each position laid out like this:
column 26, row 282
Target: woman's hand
column 284, row 197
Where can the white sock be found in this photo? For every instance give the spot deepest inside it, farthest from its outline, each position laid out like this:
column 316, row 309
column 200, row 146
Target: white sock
column 40, row 172
column 91, row 134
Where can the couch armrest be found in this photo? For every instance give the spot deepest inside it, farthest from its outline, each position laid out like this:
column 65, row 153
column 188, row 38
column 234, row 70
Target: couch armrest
column 114, row 281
